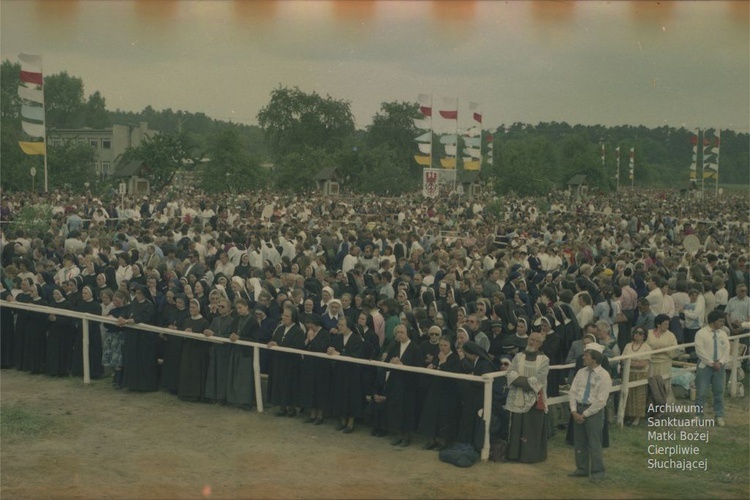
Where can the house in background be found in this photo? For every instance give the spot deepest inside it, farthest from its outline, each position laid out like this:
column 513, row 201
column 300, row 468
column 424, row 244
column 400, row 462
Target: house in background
column 133, row 176
column 327, row 181
column 109, row 143
column 577, row 186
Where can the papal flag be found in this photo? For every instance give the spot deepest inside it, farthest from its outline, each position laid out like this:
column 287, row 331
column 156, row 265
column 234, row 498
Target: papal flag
column 33, row 148
column 449, row 139
column 423, row 160
column 472, row 142
column 448, row 162
column 425, row 147
column 471, row 165
column 33, row 129
column 450, row 149
column 31, row 94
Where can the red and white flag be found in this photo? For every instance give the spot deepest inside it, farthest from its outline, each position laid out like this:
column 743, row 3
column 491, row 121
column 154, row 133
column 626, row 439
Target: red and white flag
column 476, row 110
column 450, row 108
column 425, row 104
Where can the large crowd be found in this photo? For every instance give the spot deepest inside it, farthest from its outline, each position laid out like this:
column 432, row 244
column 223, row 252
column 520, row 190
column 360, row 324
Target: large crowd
column 459, row 284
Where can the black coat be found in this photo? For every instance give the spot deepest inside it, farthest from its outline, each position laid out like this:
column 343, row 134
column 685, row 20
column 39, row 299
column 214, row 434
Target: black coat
column 315, row 380
column 401, row 389
column 347, row 393
column 140, row 350
column 284, row 370
column 440, row 413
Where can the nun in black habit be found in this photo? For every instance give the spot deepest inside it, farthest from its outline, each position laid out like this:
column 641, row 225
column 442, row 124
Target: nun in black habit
column 347, row 393
column 90, row 306
column 241, row 375
column 315, row 379
column 218, row 354
column 284, row 370
column 191, row 385
column 35, row 340
column 141, row 369
column 170, row 369
column 401, row 387
column 61, row 331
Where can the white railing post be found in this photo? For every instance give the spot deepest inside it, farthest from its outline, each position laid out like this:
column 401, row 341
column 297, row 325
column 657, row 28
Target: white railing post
column 86, row 365
column 256, row 378
column 624, row 390
column 487, row 416
column 735, row 352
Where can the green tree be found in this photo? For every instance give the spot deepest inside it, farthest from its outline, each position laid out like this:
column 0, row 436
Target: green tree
column 523, row 166
column 164, row 154
column 296, row 171
column 10, row 103
column 70, row 165
column 294, row 121
column 387, row 172
column 230, row 168
column 64, row 103
column 96, row 115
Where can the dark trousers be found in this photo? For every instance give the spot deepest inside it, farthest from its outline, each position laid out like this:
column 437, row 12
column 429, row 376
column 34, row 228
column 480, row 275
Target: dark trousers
column 587, row 439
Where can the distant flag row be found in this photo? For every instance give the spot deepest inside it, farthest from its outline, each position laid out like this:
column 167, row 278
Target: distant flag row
column 472, row 137
column 31, row 92
column 711, row 145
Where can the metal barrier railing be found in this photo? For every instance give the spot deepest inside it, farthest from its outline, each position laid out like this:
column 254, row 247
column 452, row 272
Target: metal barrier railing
column 486, row 379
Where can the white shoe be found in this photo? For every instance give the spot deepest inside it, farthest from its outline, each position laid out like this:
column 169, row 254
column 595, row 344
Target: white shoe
column 720, row 421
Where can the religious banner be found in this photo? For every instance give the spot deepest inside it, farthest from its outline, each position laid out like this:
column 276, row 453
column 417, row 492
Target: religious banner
column 430, row 184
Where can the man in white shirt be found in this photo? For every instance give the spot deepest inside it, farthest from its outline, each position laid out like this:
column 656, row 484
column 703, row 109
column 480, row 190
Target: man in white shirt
column 712, row 349
column 588, row 398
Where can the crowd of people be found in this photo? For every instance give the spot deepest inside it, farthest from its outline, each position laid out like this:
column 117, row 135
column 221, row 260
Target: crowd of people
column 458, row 285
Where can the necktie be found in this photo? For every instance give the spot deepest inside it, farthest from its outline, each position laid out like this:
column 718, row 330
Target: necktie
column 716, row 347
column 587, row 391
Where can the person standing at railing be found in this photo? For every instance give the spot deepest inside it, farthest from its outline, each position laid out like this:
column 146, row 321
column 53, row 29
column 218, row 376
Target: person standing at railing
column 284, row 372
column 635, row 407
column 401, row 387
column 661, row 362
column 315, row 379
column 526, row 402
column 712, row 349
column 218, row 354
column 588, row 397
column 240, row 377
column 141, row 371
column 191, row 384
column 35, row 334
column 60, row 333
column 347, row 394
column 90, row 306
column 113, row 339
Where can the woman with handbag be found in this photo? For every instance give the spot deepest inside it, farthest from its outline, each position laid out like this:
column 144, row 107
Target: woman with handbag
column 527, row 403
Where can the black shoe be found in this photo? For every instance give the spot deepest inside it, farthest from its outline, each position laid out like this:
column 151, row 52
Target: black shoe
column 577, row 473
column 341, row 427
column 281, row 413
column 348, row 430
column 405, row 442
column 374, row 432
column 382, row 433
column 396, row 442
column 309, row 420
column 318, row 421
column 291, row 413
column 431, row 445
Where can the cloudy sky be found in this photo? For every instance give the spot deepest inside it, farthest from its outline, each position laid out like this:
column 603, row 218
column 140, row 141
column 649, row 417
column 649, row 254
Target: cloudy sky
column 588, row 62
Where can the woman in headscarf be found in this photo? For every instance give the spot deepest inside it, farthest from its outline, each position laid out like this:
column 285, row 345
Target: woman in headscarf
column 240, row 376
column 551, row 349
column 401, row 387
column 347, row 394
column 170, row 369
column 526, row 402
column 138, row 276
column 331, row 315
column 191, row 385
column 315, row 373
column 283, row 374
column 218, row 353
column 516, row 342
column 441, row 409
column 114, row 340
column 476, row 362
column 35, row 328
column 243, row 270
column 200, row 293
column 141, row 369
column 73, row 293
column 90, row 306
column 60, row 337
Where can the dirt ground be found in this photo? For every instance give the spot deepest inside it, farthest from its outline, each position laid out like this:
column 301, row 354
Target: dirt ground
column 102, row 443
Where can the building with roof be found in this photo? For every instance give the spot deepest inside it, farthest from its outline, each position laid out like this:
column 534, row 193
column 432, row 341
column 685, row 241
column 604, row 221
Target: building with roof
column 108, row 143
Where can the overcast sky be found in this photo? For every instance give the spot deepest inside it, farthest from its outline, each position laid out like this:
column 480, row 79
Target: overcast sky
column 588, row 62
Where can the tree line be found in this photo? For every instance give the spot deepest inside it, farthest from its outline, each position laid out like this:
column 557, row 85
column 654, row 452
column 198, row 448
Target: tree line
column 300, row 133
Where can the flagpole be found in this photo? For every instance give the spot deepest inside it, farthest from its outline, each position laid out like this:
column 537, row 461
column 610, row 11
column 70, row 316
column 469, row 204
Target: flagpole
column 455, row 167
column 432, row 133
column 718, row 154
column 703, row 177
column 617, row 174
